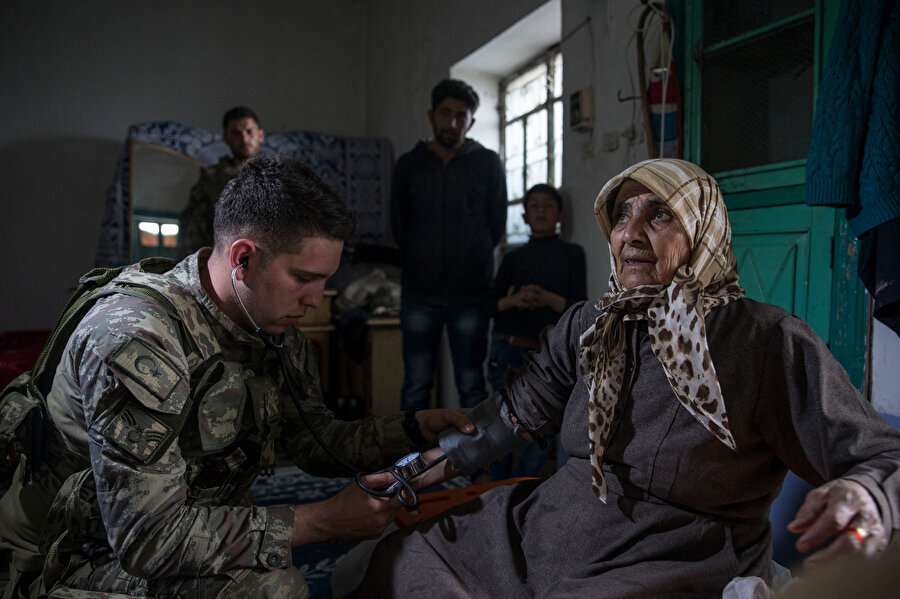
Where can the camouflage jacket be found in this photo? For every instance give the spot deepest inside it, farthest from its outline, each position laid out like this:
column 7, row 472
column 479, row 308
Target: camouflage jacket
column 176, row 422
column 196, row 220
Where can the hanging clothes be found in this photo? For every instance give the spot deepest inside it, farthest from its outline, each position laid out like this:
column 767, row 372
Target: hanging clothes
column 661, row 96
column 854, row 151
column 665, row 112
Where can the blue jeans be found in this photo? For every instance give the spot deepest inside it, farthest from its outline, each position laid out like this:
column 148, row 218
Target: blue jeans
column 422, row 326
column 502, row 356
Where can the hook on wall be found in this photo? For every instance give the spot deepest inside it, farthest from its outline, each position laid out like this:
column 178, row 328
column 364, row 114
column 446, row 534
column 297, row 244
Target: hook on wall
column 628, row 99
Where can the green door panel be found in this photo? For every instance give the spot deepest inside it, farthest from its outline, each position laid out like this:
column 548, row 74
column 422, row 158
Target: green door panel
column 769, row 265
column 784, row 258
column 800, row 258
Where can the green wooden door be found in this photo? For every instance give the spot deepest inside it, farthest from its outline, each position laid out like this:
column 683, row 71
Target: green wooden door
column 784, row 258
column 751, row 73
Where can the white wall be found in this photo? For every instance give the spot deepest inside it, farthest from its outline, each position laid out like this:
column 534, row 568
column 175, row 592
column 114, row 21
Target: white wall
column 75, row 75
column 594, row 55
column 411, row 45
column 885, row 374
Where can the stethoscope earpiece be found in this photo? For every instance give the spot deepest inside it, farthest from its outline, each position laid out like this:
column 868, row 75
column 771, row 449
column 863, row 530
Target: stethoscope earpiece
column 256, row 328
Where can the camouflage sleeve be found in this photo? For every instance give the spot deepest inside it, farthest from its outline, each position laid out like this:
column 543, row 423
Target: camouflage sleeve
column 196, row 220
column 134, row 383
column 370, row 444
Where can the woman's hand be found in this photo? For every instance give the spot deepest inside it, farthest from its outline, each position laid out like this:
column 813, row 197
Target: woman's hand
column 842, row 509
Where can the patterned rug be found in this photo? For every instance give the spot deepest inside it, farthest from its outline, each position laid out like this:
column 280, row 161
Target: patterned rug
column 291, row 485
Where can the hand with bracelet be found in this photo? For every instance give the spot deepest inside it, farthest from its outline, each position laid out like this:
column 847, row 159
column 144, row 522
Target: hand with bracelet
column 842, row 509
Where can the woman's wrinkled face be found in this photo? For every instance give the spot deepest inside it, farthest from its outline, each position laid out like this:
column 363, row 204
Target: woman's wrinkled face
column 647, row 240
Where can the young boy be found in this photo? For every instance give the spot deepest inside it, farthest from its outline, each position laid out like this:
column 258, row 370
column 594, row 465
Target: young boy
column 535, row 284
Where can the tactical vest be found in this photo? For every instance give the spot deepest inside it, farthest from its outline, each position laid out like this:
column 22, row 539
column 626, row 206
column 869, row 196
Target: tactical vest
column 217, row 387
column 23, row 401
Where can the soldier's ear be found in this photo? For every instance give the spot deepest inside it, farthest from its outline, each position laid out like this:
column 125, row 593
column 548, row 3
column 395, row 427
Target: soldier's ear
column 239, row 254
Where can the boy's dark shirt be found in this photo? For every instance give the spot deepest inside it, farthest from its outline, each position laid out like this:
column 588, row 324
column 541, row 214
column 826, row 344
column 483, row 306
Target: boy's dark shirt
column 555, row 265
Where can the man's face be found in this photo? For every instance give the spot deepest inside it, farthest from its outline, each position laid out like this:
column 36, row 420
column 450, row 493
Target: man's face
column 244, row 137
column 647, row 239
column 451, row 120
column 278, row 293
column 542, row 214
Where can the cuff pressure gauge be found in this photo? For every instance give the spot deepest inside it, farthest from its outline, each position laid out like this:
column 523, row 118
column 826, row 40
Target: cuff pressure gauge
column 405, row 469
column 410, row 465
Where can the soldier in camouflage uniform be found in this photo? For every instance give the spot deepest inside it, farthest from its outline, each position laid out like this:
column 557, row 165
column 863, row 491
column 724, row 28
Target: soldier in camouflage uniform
column 243, row 134
column 165, row 408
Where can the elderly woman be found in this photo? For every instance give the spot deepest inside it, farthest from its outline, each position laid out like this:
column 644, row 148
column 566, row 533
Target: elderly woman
column 682, row 405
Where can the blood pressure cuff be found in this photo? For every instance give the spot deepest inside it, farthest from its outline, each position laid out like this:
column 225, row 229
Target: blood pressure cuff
column 495, row 437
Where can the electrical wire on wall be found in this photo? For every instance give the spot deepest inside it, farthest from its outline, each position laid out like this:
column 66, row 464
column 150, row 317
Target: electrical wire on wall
column 632, row 132
column 585, row 22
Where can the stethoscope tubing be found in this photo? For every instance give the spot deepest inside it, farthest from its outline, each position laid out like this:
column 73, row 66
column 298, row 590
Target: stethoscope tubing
column 396, row 488
column 399, row 486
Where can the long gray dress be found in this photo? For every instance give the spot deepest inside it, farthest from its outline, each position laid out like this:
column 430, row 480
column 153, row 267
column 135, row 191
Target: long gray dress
column 685, row 514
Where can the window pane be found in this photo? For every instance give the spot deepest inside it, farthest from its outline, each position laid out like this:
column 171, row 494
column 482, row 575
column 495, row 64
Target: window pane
column 148, row 227
column 169, row 233
column 515, row 159
column 516, row 229
column 557, row 143
column 536, row 148
column 726, row 19
column 526, row 92
column 758, row 99
column 557, row 75
column 149, row 234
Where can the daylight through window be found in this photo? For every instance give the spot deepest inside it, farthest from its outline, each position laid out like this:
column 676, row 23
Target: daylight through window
column 531, row 121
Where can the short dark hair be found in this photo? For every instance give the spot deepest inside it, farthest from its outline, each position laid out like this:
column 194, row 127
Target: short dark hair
column 544, row 188
column 278, row 202
column 456, row 89
column 237, row 113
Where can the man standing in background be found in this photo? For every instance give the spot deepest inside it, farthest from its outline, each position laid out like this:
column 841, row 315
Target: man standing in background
column 448, row 212
column 243, row 134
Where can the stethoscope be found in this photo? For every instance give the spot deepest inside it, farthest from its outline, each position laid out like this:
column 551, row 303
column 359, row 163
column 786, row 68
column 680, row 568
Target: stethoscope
column 405, row 469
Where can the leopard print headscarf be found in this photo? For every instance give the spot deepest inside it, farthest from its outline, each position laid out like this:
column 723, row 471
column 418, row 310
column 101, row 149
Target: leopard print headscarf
column 674, row 313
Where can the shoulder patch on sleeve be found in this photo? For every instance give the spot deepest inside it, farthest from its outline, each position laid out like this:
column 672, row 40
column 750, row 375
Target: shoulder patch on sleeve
column 147, row 367
column 138, row 433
